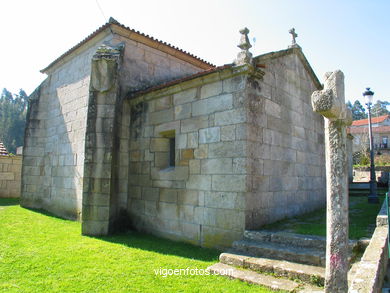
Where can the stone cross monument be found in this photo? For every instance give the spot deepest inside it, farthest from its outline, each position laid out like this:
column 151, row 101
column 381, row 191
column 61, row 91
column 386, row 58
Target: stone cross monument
column 330, row 102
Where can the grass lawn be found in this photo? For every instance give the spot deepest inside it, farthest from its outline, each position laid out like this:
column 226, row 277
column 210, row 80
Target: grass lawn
column 43, row 253
column 362, row 218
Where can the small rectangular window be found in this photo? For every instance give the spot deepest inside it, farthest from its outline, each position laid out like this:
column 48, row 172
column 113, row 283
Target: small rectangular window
column 172, row 153
column 165, row 157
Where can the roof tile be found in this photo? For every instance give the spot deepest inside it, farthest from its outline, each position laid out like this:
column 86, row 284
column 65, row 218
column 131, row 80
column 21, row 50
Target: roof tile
column 114, row 22
column 378, row 119
column 377, row 129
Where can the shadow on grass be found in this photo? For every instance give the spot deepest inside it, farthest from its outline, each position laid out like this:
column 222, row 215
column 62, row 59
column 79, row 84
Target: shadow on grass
column 163, row 246
column 16, row 201
column 139, row 240
column 48, row 214
column 9, row 201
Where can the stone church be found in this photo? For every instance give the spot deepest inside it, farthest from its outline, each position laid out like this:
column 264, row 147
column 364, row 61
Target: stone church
column 127, row 128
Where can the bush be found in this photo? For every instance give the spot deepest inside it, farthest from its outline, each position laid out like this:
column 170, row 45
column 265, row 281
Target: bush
column 382, row 160
column 364, row 159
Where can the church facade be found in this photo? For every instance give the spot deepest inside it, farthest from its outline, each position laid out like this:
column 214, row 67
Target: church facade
column 127, row 128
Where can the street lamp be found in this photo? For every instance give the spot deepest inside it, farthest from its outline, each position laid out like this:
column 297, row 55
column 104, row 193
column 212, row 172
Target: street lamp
column 373, row 196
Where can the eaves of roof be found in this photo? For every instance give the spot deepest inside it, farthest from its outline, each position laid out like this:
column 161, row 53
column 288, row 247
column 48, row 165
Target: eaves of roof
column 258, row 60
column 377, row 129
column 177, row 81
column 301, row 56
column 378, row 119
column 116, row 27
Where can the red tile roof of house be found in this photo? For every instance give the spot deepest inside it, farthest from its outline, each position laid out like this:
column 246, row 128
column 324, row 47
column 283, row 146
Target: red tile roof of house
column 377, row 129
column 137, row 35
column 3, row 150
column 378, row 119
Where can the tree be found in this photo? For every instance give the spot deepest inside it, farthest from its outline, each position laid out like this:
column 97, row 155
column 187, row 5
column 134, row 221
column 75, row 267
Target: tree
column 380, row 108
column 13, row 108
column 349, row 105
column 6, row 95
column 358, row 111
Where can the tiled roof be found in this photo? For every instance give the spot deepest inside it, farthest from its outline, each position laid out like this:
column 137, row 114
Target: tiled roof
column 377, row 129
column 179, row 80
column 113, row 22
column 3, row 150
column 378, row 119
column 271, row 55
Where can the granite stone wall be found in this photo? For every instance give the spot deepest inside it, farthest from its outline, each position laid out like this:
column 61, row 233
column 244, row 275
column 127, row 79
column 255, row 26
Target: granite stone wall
column 142, row 66
column 56, row 128
column 10, row 175
column 248, row 152
column 201, row 199
column 53, row 164
column 108, row 126
column 286, row 142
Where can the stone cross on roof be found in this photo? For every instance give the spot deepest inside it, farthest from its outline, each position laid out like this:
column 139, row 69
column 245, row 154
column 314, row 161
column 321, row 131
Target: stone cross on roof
column 294, row 36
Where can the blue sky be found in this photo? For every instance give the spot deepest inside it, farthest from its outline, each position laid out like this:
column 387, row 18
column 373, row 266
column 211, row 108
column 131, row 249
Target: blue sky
column 349, row 35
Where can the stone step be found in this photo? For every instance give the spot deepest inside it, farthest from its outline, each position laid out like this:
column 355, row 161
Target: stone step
column 291, row 239
column 281, row 268
column 310, row 241
column 253, row 277
column 359, row 186
column 278, row 251
column 310, row 289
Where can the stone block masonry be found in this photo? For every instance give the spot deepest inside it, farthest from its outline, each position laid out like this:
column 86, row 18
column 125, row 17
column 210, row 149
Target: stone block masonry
column 243, row 157
column 201, row 199
column 55, row 139
column 286, row 154
column 10, row 176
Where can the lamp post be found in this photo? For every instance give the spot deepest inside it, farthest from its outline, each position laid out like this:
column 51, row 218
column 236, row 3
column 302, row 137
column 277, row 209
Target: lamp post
column 373, row 196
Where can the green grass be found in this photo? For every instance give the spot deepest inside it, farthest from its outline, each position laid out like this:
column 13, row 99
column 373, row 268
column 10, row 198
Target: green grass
column 43, row 253
column 362, row 218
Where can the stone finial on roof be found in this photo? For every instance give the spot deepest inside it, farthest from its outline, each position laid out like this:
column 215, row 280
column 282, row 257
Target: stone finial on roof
column 244, row 57
column 294, row 36
column 105, row 63
column 113, row 20
column 106, row 50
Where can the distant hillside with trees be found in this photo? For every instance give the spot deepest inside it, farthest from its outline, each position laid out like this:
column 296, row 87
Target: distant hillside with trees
column 359, row 112
column 13, row 109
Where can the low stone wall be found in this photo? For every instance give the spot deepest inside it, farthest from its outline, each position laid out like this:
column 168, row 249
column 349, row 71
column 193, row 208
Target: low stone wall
column 364, row 176
column 373, row 265
column 377, row 168
column 10, row 176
